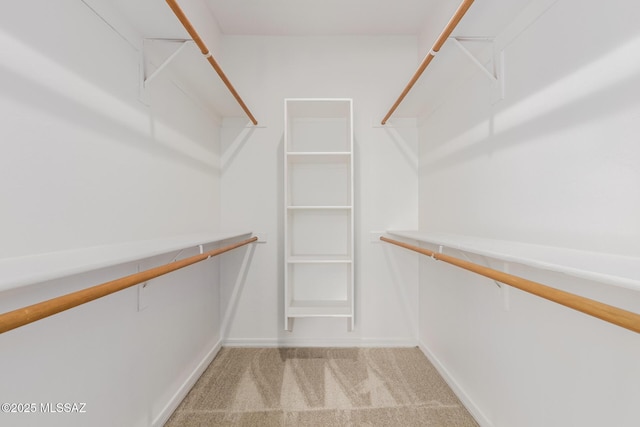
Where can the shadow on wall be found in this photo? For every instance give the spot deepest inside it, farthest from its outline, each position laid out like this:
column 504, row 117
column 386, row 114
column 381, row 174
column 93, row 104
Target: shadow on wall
column 281, row 256
column 56, row 91
column 597, row 105
column 408, row 153
column 400, row 285
column 238, row 263
column 242, row 132
column 597, row 91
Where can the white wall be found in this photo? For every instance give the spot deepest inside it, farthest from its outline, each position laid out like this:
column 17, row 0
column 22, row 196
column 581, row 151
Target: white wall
column 82, row 163
column 130, row 367
column 266, row 70
column 554, row 163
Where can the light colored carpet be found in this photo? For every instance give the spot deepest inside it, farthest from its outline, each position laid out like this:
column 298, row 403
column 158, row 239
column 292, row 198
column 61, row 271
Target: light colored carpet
column 321, row 387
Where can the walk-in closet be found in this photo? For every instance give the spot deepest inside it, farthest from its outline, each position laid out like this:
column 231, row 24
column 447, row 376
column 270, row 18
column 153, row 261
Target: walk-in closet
column 319, row 213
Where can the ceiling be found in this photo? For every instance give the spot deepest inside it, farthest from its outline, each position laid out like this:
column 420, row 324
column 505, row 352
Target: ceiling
column 321, row 17
column 154, row 19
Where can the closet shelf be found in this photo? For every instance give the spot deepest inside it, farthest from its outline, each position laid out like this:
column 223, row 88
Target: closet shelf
column 319, row 259
column 444, row 35
column 318, row 156
column 177, row 10
column 318, row 207
column 616, row 270
column 320, row 308
column 27, row 270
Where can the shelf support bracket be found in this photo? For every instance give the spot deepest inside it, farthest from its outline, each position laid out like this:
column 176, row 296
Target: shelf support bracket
column 146, row 79
column 496, row 73
column 485, row 264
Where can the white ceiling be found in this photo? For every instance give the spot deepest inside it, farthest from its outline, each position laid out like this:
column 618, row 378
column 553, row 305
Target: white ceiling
column 154, row 19
column 424, row 18
column 321, row 17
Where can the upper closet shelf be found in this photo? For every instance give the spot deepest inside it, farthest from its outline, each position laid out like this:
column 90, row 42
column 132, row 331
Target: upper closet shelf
column 209, row 57
column 617, row 270
column 446, row 32
column 26, row 270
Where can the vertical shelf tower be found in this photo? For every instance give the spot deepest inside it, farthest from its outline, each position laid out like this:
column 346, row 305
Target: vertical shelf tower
column 318, row 179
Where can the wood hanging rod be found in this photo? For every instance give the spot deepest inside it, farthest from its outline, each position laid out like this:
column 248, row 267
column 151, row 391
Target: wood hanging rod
column 177, row 10
column 453, row 22
column 23, row 316
column 608, row 313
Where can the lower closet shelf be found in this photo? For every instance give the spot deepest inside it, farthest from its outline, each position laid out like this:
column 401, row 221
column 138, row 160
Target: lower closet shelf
column 319, row 309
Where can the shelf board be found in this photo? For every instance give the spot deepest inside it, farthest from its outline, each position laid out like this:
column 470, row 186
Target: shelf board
column 319, row 153
column 319, row 308
column 318, row 107
column 617, row 270
column 320, row 259
column 318, row 156
column 27, row 270
column 319, row 207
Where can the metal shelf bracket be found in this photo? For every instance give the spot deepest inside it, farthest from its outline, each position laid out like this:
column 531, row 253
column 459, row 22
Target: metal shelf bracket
column 146, row 76
column 146, row 79
column 496, row 71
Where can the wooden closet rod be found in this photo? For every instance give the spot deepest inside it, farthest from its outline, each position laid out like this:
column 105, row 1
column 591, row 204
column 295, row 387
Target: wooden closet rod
column 608, row 313
column 455, row 19
column 24, row 316
column 177, row 10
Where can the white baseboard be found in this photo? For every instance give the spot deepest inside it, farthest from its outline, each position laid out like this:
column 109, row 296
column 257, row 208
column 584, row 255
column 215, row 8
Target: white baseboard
column 319, row 342
column 468, row 403
column 186, row 386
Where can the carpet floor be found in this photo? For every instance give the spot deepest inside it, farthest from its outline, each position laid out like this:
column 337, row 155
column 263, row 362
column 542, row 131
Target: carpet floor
column 321, row 387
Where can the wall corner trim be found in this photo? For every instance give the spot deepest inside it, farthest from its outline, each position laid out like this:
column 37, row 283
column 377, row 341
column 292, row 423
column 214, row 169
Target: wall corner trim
column 186, row 386
column 466, row 400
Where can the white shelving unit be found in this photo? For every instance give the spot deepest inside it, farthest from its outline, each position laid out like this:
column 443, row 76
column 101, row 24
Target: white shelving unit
column 318, row 179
